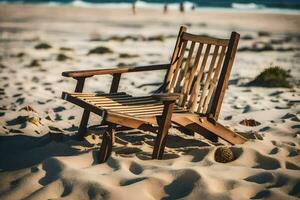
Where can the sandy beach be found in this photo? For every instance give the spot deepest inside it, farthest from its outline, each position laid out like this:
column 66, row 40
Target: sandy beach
column 40, row 157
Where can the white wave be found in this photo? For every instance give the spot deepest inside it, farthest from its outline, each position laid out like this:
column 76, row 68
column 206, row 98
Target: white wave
column 247, row 6
column 8, row 2
column 138, row 4
column 54, row 3
column 80, row 3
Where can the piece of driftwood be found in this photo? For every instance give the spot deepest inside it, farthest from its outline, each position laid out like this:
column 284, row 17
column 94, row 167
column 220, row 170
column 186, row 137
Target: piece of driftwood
column 190, row 97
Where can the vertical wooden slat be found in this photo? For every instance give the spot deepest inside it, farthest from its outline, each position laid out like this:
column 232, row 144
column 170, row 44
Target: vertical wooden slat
column 178, row 64
column 215, row 78
column 224, row 76
column 194, row 70
column 182, row 75
column 188, row 82
column 208, row 78
column 173, row 59
column 196, row 87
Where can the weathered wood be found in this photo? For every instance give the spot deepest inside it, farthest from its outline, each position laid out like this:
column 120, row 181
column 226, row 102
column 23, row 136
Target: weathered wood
column 214, row 80
column 130, row 121
column 174, row 57
column 204, row 39
column 174, row 77
column 82, row 130
column 127, row 102
column 112, row 130
column 188, row 83
column 122, row 98
column 166, row 96
column 87, row 95
column 196, row 88
column 90, row 73
column 106, row 147
column 225, row 73
column 200, row 85
column 204, row 122
column 115, row 83
column 183, row 75
column 80, row 84
column 163, row 130
column 207, row 80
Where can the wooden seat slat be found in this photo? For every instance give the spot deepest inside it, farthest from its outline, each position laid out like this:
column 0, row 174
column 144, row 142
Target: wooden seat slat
column 80, row 94
column 120, row 100
column 146, row 101
column 116, row 97
column 136, row 107
column 146, row 111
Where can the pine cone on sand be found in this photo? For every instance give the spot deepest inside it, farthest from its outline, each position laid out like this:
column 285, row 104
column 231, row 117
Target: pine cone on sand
column 224, row 155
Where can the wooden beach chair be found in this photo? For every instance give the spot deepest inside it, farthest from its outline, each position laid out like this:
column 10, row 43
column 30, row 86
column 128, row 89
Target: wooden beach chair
column 190, row 97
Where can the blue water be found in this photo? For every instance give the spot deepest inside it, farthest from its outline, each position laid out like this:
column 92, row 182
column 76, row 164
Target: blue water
column 238, row 4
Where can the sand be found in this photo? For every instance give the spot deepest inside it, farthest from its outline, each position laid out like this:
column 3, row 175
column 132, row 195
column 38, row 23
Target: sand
column 40, row 157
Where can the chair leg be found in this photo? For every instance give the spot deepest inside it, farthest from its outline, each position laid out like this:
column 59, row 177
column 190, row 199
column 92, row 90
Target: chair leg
column 107, row 143
column 163, row 130
column 83, row 124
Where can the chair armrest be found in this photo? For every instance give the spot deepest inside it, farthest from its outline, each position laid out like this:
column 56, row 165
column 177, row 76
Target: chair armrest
column 90, row 73
column 167, row 97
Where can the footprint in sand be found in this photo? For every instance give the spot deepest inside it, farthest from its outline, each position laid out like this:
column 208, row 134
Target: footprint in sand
column 274, row 151
column 295, row 190
column 266, row 162
column 183, row 184
column 128, row 151
column 136, row 168
column 17, row 121
column 127, row 182
column 261, row 178
column 198, row 154
column 262, row 194
column 33, row 63
column 292, row 166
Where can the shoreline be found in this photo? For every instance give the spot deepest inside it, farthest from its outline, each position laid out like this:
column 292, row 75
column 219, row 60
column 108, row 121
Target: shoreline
column 281, row 23
column 159, row 6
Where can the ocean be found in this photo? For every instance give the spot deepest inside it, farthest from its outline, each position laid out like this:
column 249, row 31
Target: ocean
column 197, row 4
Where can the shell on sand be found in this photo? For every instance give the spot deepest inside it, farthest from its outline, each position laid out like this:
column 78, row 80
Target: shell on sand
column 35, row 120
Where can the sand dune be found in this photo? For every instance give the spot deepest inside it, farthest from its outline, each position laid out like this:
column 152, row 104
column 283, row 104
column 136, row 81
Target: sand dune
column 41, row 158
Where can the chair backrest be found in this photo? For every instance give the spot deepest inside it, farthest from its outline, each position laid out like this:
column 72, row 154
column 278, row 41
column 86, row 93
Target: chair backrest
column 200, row 69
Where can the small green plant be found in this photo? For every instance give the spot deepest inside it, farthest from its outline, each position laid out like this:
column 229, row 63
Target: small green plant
column 62, row 57
column 43, row 46
column 272, row 77
column 100, row 50
column 126, row 55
